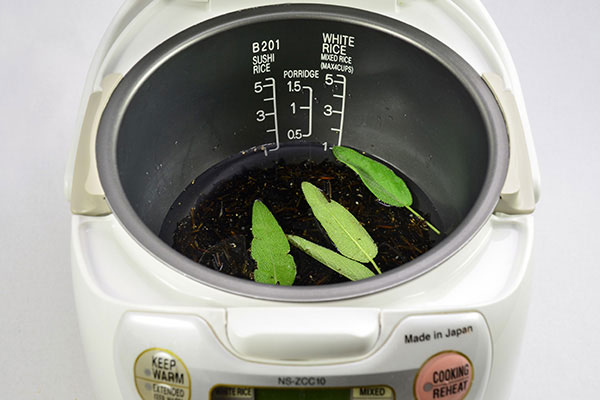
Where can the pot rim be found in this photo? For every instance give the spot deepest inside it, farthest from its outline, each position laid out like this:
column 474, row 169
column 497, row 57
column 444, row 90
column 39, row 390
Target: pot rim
column 107, row 139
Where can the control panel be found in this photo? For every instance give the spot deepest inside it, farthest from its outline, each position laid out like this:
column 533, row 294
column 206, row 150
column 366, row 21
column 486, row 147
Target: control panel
column 426, row 357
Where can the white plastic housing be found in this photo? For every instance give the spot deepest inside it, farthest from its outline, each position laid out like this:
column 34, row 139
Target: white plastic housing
column 129, row 302
column 116, row 280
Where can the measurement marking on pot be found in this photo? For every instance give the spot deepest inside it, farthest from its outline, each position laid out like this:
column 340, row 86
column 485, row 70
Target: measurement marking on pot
column 309, row 108
column 259, row 86
column 329, row 110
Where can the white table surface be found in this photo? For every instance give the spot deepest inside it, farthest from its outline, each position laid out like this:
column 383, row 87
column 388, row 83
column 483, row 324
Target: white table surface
column 45, row 51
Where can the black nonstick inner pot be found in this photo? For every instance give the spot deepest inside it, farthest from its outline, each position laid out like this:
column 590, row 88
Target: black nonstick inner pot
column 192, row 102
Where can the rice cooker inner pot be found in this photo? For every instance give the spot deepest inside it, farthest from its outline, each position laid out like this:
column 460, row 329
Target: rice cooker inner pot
column 411, row 100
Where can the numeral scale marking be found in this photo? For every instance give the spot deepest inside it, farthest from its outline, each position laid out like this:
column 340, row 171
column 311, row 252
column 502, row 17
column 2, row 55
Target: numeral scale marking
column 310, row 110
column 270, row 83
column 272, row 99
column 342, row 96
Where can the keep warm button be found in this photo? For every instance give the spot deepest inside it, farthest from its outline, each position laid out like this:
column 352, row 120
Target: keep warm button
column 161, row 375
column 447, row 375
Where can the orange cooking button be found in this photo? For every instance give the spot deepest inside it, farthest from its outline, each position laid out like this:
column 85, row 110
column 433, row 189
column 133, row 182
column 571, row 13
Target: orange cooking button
column 447, row 375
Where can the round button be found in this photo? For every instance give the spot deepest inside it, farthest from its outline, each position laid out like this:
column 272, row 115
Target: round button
column 160, row 374
column 447, row 375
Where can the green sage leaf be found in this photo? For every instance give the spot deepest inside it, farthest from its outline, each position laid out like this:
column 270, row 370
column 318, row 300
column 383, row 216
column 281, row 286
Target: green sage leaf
column 348, row 235
column 270, row 249
column 344, row 266
column 381, row 181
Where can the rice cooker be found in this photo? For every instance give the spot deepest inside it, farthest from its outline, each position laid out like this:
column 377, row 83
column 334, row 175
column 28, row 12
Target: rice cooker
column 178, row 86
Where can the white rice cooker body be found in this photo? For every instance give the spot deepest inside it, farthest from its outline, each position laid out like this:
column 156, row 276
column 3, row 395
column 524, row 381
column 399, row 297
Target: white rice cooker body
column 133, row 308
